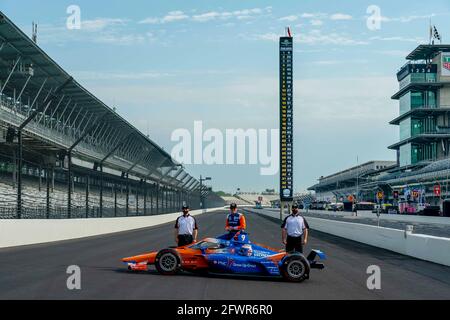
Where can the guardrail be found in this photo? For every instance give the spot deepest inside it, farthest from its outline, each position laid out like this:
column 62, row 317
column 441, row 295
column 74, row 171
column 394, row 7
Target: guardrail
column 34, row 231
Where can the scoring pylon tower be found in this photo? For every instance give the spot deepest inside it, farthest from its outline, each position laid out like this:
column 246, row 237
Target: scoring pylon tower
column 286, row 121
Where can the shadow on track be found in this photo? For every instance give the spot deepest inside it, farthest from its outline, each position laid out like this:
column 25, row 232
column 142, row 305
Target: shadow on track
column 205, row 275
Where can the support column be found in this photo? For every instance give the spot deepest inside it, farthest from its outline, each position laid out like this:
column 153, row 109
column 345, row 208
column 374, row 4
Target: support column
column 87, row 197
column 19, row 175
column 157, row 198
column 164, row 197
column 101, row 190
column 40, row 178
column 151, row 198
column 127, row 196
column 115, row 199
column 47, row 200
column 137, row 199
column 145, row 198
column 69, row 184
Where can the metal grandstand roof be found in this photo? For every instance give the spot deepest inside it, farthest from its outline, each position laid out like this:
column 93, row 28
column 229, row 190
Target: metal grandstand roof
column 29, row 76
column 434, row 170
column 427, row 51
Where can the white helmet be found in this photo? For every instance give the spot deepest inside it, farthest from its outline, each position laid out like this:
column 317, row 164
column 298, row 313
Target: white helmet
column 246, row 250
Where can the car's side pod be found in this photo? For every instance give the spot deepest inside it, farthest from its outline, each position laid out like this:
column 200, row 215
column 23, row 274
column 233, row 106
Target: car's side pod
column 312, row 256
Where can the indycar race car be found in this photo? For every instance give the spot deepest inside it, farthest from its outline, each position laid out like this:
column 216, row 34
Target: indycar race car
column 229, row 255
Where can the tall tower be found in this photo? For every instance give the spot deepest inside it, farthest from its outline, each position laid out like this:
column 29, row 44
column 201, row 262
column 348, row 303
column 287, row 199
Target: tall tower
column 286, row 119
column 424, row 96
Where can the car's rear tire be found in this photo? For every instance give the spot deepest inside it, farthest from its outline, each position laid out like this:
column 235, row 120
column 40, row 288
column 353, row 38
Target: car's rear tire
column 295, row 268
column 167, row 262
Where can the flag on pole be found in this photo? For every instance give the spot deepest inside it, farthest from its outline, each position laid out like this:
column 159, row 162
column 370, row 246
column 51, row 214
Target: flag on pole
column 436, row 34
column 288, row 31
column 431, row 32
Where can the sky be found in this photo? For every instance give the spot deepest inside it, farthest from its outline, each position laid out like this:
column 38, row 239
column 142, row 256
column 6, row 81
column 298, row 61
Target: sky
column 165, row 64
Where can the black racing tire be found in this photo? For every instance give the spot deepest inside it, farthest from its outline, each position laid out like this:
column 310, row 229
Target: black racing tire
column 167, row 262
column 295, row 268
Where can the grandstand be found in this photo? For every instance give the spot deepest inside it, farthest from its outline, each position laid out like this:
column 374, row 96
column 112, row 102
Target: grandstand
column 423, row 165
column 339, row 185
column 250, row 198
column 65, row 154
column 299, row 198
column 231, row 199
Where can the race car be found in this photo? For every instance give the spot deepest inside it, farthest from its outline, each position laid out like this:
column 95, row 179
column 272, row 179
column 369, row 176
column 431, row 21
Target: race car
column 229, row 255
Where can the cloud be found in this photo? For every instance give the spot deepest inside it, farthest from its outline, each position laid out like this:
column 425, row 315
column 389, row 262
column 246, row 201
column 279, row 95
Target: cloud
column 313, row 37
column 208, row 16
column 316, row 37
column 337, row 62
column 169, row 17
column 112, row 76
column 399, row 39
column 150, row 20
column 316, row 22
column 174, row 16
column 288, row 18
column 317, row 15
column 340, row 16
column 405, row 19
column 101, row 23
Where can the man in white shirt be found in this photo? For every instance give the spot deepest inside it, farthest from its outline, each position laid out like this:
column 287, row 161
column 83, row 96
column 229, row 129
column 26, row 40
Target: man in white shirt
column 186, row 228
column 294, row 232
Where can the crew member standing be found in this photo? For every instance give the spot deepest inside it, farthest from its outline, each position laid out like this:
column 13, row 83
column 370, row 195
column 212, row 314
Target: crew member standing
column 186, row 228
column 235, row 221
column 294, row 231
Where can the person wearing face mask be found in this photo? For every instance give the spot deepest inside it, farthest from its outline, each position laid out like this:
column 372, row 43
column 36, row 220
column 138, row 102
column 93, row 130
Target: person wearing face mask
column 186, row 228
column 294, row 232
column 235, row 221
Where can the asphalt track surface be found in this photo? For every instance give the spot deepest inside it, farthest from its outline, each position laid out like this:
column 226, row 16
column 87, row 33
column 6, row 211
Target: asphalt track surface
column 39, row 271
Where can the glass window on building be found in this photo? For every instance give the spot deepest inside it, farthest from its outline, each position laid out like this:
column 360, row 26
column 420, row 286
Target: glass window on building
column 405, row 129
column 405, row 155
column 430, row 99
column 416, row 154
column 430, row 77
column 421, row 99
column 429, row 125
column 417, row 77
column 416, row 127
column 405, row 103
column 417, row 99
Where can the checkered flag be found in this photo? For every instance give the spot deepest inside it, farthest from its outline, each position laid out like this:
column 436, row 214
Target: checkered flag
column 436, row 34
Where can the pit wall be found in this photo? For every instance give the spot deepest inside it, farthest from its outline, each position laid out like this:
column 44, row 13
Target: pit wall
column 420, row 246
column 383, row 216
column 14, row 232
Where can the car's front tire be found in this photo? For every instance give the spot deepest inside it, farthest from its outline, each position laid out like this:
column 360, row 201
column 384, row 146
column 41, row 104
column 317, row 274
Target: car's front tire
column 295, row 268
column 167, row 262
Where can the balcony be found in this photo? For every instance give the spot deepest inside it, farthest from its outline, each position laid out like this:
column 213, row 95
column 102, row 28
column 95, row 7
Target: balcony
column 417, row 86
column 421, row 112
column 424, row 137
